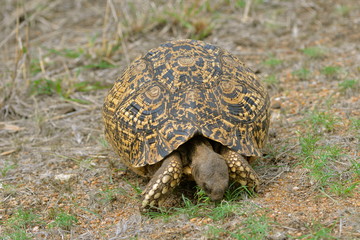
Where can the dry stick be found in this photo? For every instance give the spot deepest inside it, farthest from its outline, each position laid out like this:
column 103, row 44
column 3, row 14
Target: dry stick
column 42, row 65
column 246, row 10
column 340, row 227
column 288, row 150
column 113, row 12
column 120, row 32
column 16, row 65
column 289, row 228
column 26, row 68
column 272, row 179
column 72, row 114
column 106, row 20
column 72, row 79
column 125, row 49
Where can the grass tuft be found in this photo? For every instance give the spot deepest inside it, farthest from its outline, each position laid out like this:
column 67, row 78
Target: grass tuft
column 321, row 159
column 68, row 53
column 330, row 71
column 314, row 52
column 319, row 231
column 271, row 80
column 45, row 86
column 16, row 225
column 254, row 226
column 348, row 84
column 6, row 168
column 272, row 62
column 343, row 10
column 323, row 121
column 302, row 74
column 63, row 220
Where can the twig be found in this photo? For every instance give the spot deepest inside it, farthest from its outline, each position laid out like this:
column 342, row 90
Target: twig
column 289, row 228
column 71, row 114
column 7, row 179
column 246, row 10
column 340, row 227
column 288, row 150
column 272, row 179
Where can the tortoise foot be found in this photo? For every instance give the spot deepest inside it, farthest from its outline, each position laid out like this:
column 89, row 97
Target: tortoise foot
column 239, row 169
column 165, row 179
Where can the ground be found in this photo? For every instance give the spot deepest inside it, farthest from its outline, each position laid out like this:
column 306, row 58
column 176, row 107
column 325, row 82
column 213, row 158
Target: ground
column 61, row 180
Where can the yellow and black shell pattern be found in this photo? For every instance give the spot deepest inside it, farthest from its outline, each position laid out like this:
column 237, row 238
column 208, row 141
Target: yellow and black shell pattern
column 181, row 89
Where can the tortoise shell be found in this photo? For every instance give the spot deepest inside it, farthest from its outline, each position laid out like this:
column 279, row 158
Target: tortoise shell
column 179, row 90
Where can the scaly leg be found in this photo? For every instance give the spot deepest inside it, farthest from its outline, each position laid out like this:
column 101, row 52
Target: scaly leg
column 239, row 169
column 165, row 179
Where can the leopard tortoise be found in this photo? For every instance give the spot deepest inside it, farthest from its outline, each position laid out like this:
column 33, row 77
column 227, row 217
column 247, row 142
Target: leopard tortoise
column 187, row 108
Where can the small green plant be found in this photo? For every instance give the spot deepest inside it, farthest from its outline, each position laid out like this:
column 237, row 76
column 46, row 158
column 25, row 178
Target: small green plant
column 45, row 86
column 343, row 10
column 215, row 232
column 223, row 210
column 69, row 53
column 314, row 52
column 302, row 73
column 16, row 225
column 103, row 142
column 320, row 159
column 63, row 220
column 318, row 232
column 308, row 144
column 195, row 18
column 240, row 3
column 34, row 67
column 100, row 65
column 271, row 80
column 6, row 168
column 49, row 87
column 355, row 123
column 343, row 188
column 272, row 62
column 110, row 194
column 201, row 196
column 9, row 189
column 236, row 192
column 135, row 187
column 355, row 167
column 324, row 120
column 330, row 71
column 86, row 86
column 191, row 209
column 16, row 235
column 348, row 84
column 254, row 226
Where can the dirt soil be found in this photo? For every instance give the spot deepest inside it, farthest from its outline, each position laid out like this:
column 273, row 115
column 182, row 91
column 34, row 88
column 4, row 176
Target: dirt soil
column 59, row 58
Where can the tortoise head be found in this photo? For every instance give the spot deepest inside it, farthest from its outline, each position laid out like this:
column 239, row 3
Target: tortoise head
column 209, row 170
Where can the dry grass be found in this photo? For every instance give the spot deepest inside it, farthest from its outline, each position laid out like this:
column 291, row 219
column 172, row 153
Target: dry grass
column 59, row 179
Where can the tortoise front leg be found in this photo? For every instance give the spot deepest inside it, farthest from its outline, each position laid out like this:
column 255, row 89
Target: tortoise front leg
column 239, row 169
column 165, row 179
